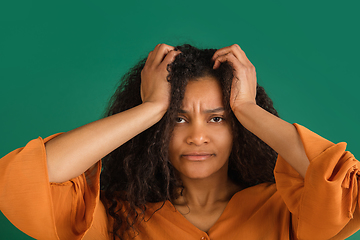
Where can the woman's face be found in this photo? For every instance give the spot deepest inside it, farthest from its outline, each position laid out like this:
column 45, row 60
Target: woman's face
column 202, row 138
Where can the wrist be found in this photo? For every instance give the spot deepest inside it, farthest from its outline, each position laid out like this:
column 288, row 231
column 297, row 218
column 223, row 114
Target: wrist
column 242, row 108
column 156, row 108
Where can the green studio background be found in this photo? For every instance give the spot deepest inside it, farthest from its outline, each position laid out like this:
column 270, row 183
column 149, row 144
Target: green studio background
column 60, row 61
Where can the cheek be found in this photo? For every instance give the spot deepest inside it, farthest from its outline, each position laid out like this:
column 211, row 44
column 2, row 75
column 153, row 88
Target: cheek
column 225, row 141
column 226, row 144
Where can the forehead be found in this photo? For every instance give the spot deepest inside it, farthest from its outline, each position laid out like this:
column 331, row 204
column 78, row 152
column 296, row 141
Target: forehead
column 204, row 93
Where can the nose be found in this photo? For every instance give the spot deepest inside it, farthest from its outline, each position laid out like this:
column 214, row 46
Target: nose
column 197, row 135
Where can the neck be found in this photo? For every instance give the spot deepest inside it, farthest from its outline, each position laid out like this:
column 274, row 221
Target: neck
column 204, row 192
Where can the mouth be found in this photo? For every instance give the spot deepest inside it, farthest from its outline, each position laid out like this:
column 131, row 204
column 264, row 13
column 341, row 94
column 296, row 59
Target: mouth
column 197, row 156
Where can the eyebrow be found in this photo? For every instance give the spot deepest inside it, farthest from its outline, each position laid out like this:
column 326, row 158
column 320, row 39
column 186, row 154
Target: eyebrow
column 215, row 110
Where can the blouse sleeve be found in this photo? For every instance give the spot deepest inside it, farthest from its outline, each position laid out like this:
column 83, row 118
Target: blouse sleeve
column 41, row 209
column 324, row 205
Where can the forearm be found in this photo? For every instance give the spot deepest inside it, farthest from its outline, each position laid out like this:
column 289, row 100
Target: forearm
column 72, row 153
column 277, row 133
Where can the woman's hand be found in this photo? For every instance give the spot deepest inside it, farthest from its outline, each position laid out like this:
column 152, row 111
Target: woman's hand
column 154, row 86
column 72, row 153
column 243, row 90
column 278, row 134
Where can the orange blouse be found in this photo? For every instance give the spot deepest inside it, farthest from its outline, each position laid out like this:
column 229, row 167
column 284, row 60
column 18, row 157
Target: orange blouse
column 324, row 205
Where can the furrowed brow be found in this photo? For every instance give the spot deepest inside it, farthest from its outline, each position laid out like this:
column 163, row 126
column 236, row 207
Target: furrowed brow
column 215, row 110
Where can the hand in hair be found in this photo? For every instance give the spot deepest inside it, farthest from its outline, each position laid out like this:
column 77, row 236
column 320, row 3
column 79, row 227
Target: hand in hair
column 243, row 88
column 72, row 153
column 277, row 133
column 154, row 85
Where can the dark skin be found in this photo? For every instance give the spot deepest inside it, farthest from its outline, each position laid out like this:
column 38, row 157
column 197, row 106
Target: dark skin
column 199, row 150
column 207, row 187
column 207, row 192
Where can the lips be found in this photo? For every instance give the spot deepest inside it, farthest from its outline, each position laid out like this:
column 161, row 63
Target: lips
column 197, row 156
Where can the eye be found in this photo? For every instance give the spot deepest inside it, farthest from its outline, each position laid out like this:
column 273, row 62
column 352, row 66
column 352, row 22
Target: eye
column 179, row 120
column 216, row 119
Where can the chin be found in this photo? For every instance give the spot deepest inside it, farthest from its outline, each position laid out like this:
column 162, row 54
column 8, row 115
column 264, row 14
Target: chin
column 197, row 174
column 201, row 170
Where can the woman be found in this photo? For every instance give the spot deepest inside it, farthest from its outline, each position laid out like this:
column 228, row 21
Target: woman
column 189, row 148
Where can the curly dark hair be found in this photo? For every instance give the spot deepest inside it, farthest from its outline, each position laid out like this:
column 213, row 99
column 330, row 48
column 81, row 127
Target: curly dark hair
column 139, row 172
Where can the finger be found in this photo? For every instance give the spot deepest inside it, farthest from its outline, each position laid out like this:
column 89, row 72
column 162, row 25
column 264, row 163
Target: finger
column 229, row 57
column 162, row 51
column 148, row 59
column 223, row 51
column 156, row 49
column 234, row 49
column 170, row 57
column 151, row 55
